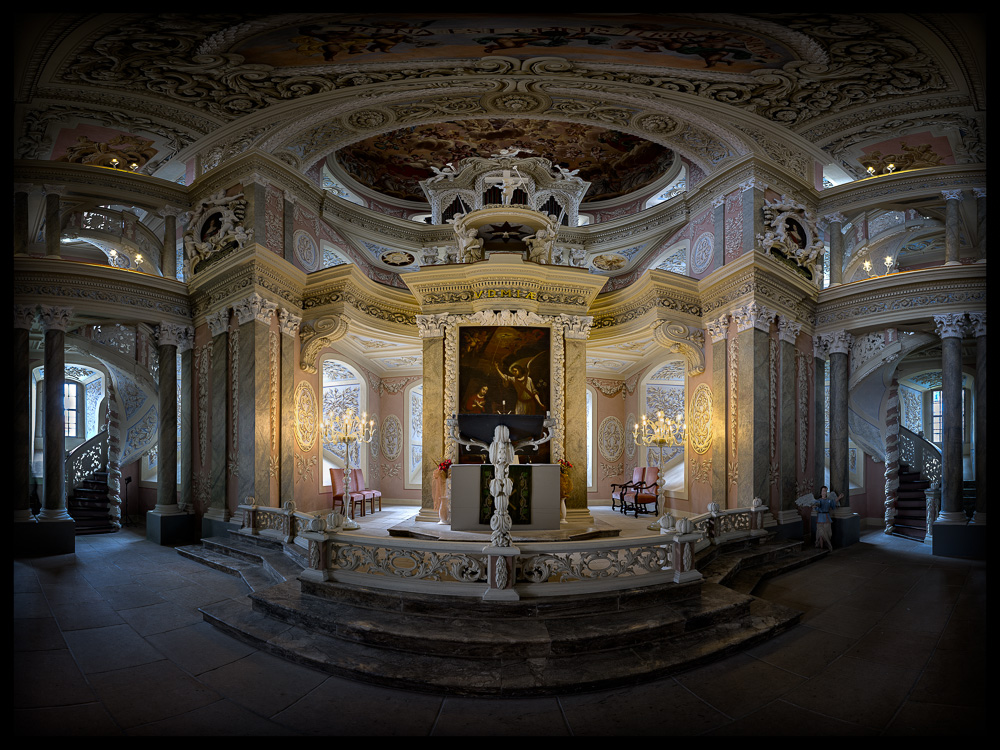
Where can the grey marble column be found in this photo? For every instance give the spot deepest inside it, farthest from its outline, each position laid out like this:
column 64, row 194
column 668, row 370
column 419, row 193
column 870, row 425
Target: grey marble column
column 169, row 337
column 821, row 350
column 980, row 194
column 718, row 331
column 719, row 234
column 978, row 320
column 951, row 228
column 53, row 221
column 753, row 205
column 788, row 332
column 753, row 326
column 186, row 353
column 24, row 318
column 288, row 324
column 256, row 194
column 253, row 314
column 22, row 240
column 168, row 256
column 218, row 326
column 836, row 231
column 432, row 329
column 55, row 322
column 840, row 476
column 951, row 329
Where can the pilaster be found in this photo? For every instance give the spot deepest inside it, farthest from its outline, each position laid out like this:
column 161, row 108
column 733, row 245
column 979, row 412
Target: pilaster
column 951, row 226
column 252, row 411
column 753, row 325
column 718, row 331
column 753, row 207
column 788, row 332
column 432, row 334
column 288, row 324
column 951, row 329
column 979, row 450
column 218, row 326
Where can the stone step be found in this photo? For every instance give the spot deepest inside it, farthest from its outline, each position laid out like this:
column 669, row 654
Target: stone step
column 260, row 565
column 505, row 672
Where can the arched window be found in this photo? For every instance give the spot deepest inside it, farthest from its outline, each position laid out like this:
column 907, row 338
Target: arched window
column 343, row 389
column 591, row 463
column 663, row 390
column 414, row 404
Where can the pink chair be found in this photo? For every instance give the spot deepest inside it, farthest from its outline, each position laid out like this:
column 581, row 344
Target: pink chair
column 371, row 496
column 623, row 488
column 639, row 496
column 357, row 499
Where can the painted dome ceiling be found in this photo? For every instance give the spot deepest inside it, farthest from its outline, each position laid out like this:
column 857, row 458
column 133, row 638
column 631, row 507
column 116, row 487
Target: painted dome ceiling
column 613, row 163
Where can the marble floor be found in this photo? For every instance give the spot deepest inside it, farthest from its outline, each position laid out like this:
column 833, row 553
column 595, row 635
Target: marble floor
column 109, row 641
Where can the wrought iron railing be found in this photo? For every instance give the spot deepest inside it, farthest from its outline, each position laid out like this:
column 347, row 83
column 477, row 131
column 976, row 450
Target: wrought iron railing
column 920, row 455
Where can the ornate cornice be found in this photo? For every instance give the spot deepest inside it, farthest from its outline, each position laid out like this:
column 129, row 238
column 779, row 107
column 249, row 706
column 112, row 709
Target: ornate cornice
column 253, row 269
column 915, row 183
column 100, row 291
column 755, row 277
column 887, row 301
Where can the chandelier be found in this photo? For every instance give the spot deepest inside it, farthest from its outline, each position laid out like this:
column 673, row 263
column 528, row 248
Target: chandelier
column 346, row 427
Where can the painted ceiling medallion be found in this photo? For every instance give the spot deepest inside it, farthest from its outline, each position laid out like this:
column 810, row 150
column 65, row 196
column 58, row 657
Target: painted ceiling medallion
column 398, row 258
column 609, row 262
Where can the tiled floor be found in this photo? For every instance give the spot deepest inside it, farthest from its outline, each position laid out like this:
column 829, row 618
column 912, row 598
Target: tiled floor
column 109, row 641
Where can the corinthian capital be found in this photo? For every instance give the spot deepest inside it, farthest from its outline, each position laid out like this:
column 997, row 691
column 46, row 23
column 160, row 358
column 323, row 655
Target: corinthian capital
column 950, row 325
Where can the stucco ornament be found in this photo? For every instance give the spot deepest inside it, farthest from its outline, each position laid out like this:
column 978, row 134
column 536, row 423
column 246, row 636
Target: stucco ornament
column 792, row 232
column 306, row 415
column 700, row 419
column 214, row 225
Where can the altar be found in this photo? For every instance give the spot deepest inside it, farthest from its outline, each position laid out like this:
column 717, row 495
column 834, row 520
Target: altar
column 533, row 506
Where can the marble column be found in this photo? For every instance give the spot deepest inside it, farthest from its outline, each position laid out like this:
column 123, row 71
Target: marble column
column 951, row 227
column 753, row 326
column 575, row 416
column 288, row 324
column 840, row 477
column 55, row 321
column 788, row 332
column 951, row 329
column 753, row 205
column 836, row 231
column 185, row 350
column 719, row 234
column 22, row 239
column 218, row 506
column 980, row 455
column 432, row 330
column 53, row 221
column 821, row 350
column 24, row 318
column 253, row 314
column 169, row 338
column 718, row 331
column 980, row 194
column 168, row 255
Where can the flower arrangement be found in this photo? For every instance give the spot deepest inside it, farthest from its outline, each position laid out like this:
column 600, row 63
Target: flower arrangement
column 444, row 465
column 564, row 466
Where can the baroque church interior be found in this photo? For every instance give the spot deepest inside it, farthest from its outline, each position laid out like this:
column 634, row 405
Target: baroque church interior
column 586, row 305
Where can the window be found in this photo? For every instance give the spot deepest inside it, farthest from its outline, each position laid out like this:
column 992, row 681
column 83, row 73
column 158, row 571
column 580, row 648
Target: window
column 663, row 390
column 414, row 405
column 71, row 411
column 937, row 416
column 342, row 390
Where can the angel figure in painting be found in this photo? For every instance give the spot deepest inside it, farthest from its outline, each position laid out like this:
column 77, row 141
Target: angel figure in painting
column 518, row 377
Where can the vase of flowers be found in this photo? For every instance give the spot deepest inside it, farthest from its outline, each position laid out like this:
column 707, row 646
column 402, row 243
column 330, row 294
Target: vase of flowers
column 439, row 490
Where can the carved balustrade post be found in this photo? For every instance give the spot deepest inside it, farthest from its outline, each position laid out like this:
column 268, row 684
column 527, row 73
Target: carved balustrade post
column 682, row 555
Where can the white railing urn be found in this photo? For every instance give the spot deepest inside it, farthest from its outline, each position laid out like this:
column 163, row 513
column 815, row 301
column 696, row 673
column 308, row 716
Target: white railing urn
column 682, row 557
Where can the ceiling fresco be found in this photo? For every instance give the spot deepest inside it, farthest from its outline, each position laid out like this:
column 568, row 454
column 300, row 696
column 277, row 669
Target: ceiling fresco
column 614, row 163
column 631, row 38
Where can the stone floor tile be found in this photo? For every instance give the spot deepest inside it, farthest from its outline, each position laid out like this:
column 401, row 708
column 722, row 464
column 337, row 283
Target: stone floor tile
column 84, row 615
column 41, row 634
column 81, row 720
column 779, row 718
column 222, row 718
column 159, row 618
column 740, row 684
column 540, row 717
column 200, row 647
column 48, row 678
column 803, row 650
column 917, row 719
column 346, row 707
column 262, row 683
column 110, row 648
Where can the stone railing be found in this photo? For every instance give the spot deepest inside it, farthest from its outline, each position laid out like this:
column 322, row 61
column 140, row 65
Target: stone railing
column 920, row 455
column 540, row 569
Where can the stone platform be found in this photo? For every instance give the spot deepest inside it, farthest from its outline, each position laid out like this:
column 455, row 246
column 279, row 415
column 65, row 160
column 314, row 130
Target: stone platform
column 567, row 533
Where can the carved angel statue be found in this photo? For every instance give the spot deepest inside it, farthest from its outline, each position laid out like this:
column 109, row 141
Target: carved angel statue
column 447, row 173
column 509, row 151
column 564, row 174
column 540, row 245
column 470, row 245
